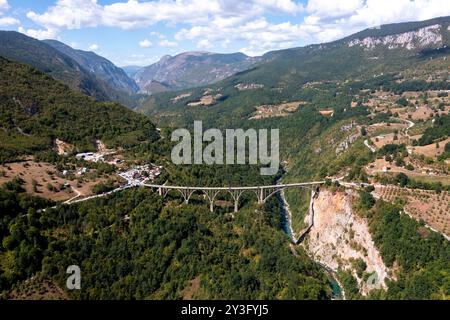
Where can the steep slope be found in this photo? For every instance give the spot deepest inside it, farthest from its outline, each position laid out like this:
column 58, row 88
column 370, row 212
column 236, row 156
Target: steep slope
column 104, row 69
column 131, row 70
column 192, row 69
column 35, row 110
column 340, row 239
column 18, row 47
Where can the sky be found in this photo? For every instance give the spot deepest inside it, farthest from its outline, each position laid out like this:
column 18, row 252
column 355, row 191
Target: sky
column 132, row 32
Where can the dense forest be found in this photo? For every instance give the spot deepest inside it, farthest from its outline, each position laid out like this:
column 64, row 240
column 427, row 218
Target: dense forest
column 422, row 257
column 35, row 110
column 134, row 245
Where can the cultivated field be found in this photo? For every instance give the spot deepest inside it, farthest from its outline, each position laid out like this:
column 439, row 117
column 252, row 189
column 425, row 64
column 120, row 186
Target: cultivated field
column 431, row 150
column 46, row 181
column 281, row 110
column 426, row 205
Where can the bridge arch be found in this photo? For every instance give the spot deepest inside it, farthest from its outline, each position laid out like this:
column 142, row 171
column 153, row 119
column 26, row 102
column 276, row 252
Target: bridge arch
column 211, row 194
column 263, row 193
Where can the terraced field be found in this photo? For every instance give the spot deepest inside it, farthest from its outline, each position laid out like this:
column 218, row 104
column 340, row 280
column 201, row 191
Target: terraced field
column 426, row 205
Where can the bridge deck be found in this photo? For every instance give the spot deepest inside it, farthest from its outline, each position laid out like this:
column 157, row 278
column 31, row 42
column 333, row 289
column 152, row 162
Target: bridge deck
column 288, row 185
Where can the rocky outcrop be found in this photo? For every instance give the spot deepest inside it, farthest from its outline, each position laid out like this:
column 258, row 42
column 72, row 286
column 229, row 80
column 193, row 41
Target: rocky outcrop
column 341, row 239
column 420, row 38
column 192, row 69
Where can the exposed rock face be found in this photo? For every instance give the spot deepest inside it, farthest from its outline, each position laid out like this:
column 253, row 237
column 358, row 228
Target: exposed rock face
column 339, row 237
column 192, row 69
column 420, row 38
column 63, row 148
column 115, row 77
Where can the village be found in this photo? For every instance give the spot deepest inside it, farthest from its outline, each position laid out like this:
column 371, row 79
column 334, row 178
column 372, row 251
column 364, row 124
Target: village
column 88, row 175
column 400, row 150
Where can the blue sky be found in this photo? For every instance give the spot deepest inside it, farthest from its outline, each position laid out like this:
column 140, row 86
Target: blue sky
column 133, row 32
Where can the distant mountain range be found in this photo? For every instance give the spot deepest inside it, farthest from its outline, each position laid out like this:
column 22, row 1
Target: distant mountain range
column 190, row 69
column 96, row 76
column 369, row 51
column 18, row 47
column 387, row 48
column 370, row 55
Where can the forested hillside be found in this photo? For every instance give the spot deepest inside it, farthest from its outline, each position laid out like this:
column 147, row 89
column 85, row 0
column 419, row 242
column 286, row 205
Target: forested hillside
column 104, row 69
column 35, row 110
column 40, row 55
column 135, row 245
column 292, row 74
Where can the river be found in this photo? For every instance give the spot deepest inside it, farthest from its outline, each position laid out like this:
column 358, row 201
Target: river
column 286, row 224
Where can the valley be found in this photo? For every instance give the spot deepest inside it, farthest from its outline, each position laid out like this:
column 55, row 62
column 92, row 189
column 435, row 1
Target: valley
column 90, row 182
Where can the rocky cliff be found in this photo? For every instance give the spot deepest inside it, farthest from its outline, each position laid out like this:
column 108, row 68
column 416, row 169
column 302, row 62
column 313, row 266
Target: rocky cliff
column 339, row 239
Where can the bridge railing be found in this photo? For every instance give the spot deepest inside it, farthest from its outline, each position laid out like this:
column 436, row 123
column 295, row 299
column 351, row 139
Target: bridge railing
column 262, row 192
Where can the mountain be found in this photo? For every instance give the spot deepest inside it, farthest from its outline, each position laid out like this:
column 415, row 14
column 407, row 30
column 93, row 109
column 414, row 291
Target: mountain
column 156, row 87
column 18, row 47
column 375, row 54
column 35, row 110
column 192, row 69
column 386, row 48
column 131, row 70
column 21, row 48
column 104, row 69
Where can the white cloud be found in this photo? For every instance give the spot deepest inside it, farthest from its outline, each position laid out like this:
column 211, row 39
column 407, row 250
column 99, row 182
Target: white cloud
column 75, row 14
column 69, row 14
column 333, row 9
column 167, row 43
column 40, row 34
column 221, row 22
column 94, row 47
column 4, row 6
column 145, row 43
column 340, row 18
column 204, row 44
column 8, row 21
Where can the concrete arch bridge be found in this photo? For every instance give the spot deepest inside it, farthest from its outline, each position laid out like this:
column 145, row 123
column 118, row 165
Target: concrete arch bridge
column 262, row 192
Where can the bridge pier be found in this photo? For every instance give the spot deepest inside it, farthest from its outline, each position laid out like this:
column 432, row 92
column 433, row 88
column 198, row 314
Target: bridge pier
column 211, row 195
column 262, row 192
column 260, row 196
column 186, row 193
column 163, row 191
column 265, row 193
column 236, row 195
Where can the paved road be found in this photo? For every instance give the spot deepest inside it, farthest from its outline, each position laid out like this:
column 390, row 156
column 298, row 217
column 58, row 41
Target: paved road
column 288, row 185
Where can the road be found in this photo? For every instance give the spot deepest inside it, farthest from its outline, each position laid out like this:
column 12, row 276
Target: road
column 410, row 125
column 289, row 185
column 79, row 194
column 366, row 143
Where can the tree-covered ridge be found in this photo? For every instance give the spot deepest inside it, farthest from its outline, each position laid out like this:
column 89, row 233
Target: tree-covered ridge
column 292, row 74
column 62, row 67
column 35, row 109
column 21, row 48
column 420, row 257
column 440, row 130
column 134, row 245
